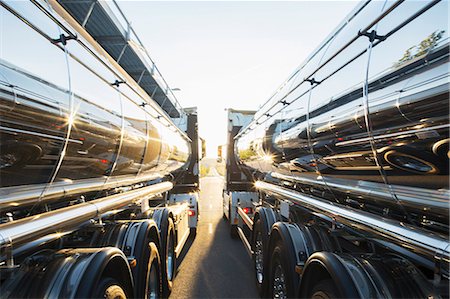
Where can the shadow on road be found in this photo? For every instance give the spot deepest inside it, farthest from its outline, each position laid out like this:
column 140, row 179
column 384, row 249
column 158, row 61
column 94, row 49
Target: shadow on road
column 225, row 270
column 215, row 265
column 186, row 248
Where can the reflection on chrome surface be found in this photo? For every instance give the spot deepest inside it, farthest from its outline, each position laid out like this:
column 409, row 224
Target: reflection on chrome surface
column 378, row 143
column 34, row 129
column 102, row 142
column 68, row 131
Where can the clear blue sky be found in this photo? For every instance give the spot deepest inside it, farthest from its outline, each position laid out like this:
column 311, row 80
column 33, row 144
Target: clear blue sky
column 230, row 54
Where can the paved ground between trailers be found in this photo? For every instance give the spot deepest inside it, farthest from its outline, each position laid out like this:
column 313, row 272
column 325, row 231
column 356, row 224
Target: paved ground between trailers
column 215, row 266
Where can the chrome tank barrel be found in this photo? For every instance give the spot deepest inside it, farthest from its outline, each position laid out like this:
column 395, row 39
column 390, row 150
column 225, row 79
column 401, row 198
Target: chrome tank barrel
column 18, row 232
column 431, row 246
column 71, row 119
column 364, row 122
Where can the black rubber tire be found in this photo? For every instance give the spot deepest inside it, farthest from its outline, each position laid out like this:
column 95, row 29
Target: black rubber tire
column 168, row 240
column 24, row 154
column 154, row 264
column 265, row 218
column 115, row 234
column 280, row 259
column 109, row 288
column 423, row 157
column 259, row 280
column 234, row 231
column 324, row 289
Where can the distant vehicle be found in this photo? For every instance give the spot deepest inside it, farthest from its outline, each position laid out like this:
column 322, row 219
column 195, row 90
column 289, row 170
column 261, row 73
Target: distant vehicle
column 98, row 182
column 341, row 178
column 202, row 147
column 238, row 189
column 219, row 154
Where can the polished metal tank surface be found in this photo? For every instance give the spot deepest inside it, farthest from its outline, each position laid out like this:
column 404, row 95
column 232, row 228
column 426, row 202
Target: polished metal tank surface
column 365, row 120
column 68, row 114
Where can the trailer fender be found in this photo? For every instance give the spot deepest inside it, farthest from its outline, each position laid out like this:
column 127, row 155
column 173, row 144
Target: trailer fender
column 391, row 276
column 69, row 273
column 105, row 262
column 134, row 239
column 288, row 254
column 318, row 238
column 160, row 216
column 325, row 272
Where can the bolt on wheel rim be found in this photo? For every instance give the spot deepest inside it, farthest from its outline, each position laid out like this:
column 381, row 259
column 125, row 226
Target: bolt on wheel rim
column 170, row 259
column 279, row 283
column 259, row 257
column 7, row 160
column 153, row 284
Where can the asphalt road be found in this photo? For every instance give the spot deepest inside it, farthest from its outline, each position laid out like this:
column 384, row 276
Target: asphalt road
column 214, row 266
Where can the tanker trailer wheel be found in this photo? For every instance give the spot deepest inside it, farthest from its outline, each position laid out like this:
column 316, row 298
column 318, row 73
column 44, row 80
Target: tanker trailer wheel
column 258, row 255
column 138, row 239
column 282, row 273
column 260, row 243
column 325, row 289
column 109, row 288
column 327, row 275
column 168, row 255
column 288, row 248
column 413, row 161
column 153, row 277
column 17, row 155
column 233, row 227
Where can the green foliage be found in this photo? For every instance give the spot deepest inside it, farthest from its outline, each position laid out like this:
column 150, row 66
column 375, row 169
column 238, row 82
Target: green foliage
column 246, row 154
column 204, row 170
column 425, row 46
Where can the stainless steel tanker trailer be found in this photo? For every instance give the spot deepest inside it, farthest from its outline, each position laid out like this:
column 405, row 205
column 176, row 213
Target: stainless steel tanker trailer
column 98, row 180
column 340, row 180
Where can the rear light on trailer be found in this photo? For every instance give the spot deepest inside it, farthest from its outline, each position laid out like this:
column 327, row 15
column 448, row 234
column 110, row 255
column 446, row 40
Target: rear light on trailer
column 191, row 213
column 247, row 210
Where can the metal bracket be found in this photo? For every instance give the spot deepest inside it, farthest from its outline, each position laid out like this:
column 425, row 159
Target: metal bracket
column 334, row 225
column 439, row 257
column 63, row 39
column 284, row 102
column 9, row 217
column 117, row 83
column 372, row 35
column 7, row 252
column 313, row 81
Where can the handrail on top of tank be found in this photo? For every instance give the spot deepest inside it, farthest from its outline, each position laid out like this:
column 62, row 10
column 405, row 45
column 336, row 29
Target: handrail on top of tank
column 359, row 34
column 120, row 72
column 166, row 89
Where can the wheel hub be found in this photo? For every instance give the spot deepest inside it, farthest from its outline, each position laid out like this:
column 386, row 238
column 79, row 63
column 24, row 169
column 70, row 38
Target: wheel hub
column 7, row 160
column 259, row 258
column 170, row 259
column 279, row 283
column 153, row 284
